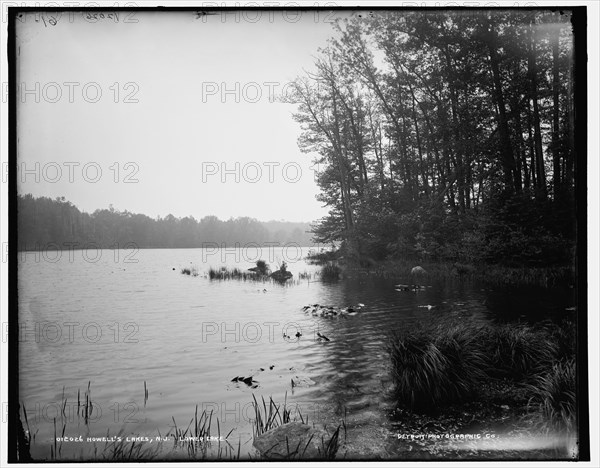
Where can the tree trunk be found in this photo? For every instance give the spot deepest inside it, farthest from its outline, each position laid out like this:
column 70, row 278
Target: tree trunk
column 556, row 177
column 511, row 182
column 542, row 192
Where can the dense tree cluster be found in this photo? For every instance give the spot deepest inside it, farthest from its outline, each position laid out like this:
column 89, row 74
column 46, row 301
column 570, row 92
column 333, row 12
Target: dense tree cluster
column 44, row 222
column 445, row 135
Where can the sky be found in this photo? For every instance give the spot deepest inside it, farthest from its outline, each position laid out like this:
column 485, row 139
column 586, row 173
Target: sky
column 162, row 113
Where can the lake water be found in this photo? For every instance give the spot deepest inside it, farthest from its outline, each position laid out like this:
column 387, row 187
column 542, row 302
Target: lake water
column 123, row 320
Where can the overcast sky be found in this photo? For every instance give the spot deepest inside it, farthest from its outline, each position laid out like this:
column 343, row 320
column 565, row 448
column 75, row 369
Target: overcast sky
column 192, row 98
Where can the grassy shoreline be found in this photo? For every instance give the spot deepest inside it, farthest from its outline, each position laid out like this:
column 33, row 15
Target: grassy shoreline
column 544, row 276
column 512, row 381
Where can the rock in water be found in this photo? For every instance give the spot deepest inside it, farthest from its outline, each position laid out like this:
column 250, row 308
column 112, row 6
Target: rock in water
column 280, row 275
column 293, row 441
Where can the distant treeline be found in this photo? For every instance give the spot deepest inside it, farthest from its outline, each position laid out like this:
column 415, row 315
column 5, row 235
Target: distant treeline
column 43, row 222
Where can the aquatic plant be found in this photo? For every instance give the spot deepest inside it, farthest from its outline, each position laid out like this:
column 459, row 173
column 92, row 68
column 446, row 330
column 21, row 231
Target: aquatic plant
column 121, row 450
column 225, row 273
column 305, row 275
column 190, row 271
column 195, row 438
column 329, row 449
column 269, row 417
column 24, row 438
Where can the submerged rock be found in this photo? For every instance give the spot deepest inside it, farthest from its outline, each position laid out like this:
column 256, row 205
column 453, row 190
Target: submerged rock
column 293, row 440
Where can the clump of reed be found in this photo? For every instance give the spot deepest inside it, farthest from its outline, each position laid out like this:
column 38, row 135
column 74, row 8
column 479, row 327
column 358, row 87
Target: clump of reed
column 269, row 417
column 197, row 434
column 330, row 272
column 225, row 273
column 190, row 271
column 328, row 449
column 305, row 275
column 24, row 438
column 196, row 437
column 273, row 415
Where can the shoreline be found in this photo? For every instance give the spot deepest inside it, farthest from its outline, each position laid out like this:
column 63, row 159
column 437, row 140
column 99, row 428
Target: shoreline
column 526, row 276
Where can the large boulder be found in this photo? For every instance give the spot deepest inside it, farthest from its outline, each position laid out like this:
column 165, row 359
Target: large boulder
column 418, row 271
column 293, row 440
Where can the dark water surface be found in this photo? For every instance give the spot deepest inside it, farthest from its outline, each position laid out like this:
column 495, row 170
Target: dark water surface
column 118, row 324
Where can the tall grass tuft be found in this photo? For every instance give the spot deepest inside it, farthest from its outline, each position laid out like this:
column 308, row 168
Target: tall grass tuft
column 328, row 449
column 269, row 417
column 24, row 438
column 233, row 273
column 272, row 415
column 555, row 394
column 518, row 351
column 121, row 450
column 432, row 368
column 565, row 336
column 445, row 363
